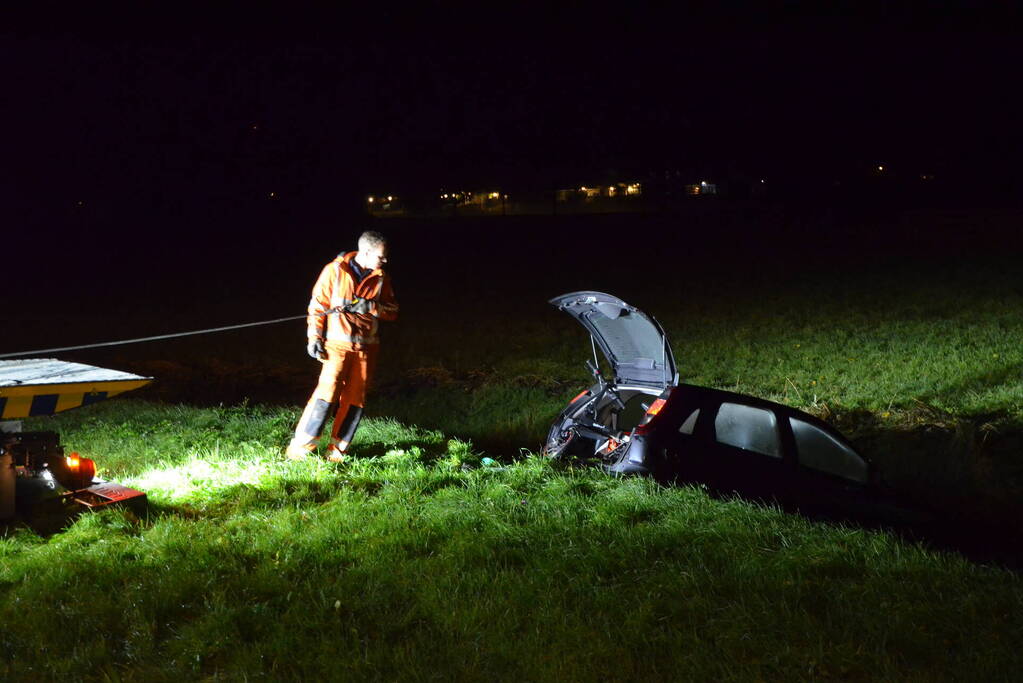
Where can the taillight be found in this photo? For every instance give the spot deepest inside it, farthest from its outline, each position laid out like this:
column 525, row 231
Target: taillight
column 651, row 412
column 654, row 408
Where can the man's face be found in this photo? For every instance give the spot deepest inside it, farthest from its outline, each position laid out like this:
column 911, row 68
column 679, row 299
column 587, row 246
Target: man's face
column 374, row 257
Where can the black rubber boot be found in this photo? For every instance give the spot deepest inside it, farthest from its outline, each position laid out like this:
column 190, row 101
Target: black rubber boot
column 313, row 419
column 349, row 424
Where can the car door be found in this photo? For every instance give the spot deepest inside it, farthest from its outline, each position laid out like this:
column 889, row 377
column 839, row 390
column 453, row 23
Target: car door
column 747, row 449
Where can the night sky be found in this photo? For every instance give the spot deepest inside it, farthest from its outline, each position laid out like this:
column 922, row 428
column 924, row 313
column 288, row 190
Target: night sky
column 179, row 118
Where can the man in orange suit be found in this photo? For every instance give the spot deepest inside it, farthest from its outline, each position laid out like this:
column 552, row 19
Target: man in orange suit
column 350, row 298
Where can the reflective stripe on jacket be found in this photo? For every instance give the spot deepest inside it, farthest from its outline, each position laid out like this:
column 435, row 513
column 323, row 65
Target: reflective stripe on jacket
column 337, row 286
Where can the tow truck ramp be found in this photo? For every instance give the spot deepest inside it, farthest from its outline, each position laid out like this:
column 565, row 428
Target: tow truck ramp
column 34, row 472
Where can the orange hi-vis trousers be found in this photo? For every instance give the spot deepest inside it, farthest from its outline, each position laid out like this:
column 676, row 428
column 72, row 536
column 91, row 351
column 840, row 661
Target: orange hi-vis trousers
column 344, row 379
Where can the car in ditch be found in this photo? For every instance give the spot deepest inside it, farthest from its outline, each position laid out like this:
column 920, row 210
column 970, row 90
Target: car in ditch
column 641, row 420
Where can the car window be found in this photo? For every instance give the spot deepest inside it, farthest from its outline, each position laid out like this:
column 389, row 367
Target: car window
column 820, row 451
column 690, row 423
column 749, row 428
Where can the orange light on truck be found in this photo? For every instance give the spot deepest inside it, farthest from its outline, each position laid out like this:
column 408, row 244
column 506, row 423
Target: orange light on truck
column 83, row 469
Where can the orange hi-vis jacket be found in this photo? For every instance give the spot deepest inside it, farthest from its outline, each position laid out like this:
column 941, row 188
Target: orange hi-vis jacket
column 337, row 286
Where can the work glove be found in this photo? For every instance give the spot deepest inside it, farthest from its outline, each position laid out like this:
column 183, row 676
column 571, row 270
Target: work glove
column 360, row 306
column 315, row 349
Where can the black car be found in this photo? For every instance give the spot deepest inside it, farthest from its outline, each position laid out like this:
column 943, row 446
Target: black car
column 641, row 420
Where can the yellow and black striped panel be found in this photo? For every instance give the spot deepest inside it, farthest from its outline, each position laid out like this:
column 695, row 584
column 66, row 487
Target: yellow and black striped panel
column 46, row 399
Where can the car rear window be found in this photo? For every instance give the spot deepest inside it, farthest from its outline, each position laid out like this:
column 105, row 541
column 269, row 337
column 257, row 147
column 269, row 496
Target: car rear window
column 749, row 428
column 631, row 338
column 820, row 451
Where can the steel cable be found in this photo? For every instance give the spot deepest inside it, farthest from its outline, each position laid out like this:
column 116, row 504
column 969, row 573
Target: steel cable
column 154, row 338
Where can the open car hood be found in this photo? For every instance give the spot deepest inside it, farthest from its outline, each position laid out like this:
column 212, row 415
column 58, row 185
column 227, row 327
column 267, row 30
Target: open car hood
column 632, row 341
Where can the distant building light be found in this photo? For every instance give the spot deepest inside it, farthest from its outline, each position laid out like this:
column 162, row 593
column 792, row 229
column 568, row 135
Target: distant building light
column 700, row 189
column 634, row 188
column 390, row 198
column 272, row 195
column 495, row 195
column 880, row 167
column 762, row 180
column 370, row 199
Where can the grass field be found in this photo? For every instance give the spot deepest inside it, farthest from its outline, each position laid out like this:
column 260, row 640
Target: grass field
column 419, row 559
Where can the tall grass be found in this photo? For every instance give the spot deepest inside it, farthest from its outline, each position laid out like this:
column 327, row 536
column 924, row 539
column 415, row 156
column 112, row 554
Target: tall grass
column 416, row 561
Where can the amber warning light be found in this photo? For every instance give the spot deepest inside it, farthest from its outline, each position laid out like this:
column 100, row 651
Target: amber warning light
column 95, row 493
column 83, row 470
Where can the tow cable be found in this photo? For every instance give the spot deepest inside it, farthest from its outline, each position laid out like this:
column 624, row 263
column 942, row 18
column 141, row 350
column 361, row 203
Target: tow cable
column 154, row 338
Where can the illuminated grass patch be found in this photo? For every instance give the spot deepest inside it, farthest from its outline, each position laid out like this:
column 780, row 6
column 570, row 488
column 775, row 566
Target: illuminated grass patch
column 416, row 560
